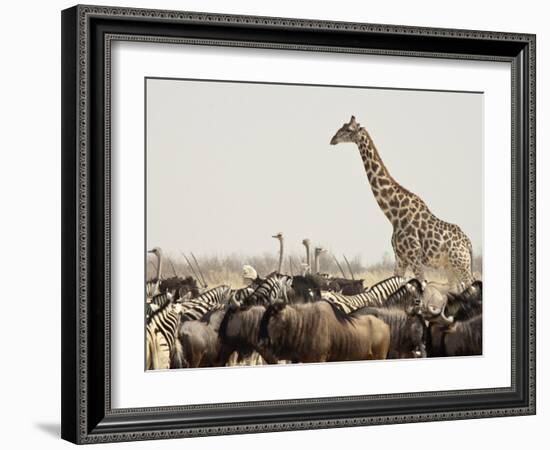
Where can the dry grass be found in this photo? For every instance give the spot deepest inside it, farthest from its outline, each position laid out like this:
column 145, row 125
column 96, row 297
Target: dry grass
column 227, row 270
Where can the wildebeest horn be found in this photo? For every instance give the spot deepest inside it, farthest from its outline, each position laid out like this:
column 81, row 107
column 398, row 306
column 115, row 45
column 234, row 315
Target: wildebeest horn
column 199, row 269
column 339, row 266
column 349, row 268
column 447, row 320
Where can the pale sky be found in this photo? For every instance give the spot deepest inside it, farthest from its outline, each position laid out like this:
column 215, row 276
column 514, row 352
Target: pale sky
column 230, row 164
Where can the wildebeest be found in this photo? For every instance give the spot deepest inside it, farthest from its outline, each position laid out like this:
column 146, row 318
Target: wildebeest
column 407, row 330
column 461, row 338
column 306, row 288
column 467, row 304
column 198, row 344
column 180, row 286
column 434, row 299
column 320, row 332
column 346, row 286
column 238, row 332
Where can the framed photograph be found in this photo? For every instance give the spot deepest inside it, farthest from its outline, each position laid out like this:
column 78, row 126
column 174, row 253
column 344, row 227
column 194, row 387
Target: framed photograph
column 279, row 224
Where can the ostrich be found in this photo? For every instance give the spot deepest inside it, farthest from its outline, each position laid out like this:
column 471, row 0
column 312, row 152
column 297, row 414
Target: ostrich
column 158, row 253
column 308, row 286
column 306, row 242
column 318, row 251
column 279, row 236
column 153, row 286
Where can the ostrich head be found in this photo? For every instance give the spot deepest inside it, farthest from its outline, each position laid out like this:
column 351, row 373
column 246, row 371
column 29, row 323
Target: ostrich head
column 348, row 132
column 317, row 253
column 319, row 250
column 156, row 251
column 278, row 236
column 306, row 242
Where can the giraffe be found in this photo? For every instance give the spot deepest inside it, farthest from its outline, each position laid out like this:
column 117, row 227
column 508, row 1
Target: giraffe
column 419, row 238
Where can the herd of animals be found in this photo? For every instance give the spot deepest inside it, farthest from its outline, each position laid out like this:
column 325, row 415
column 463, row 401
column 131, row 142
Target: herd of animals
column 314, row 317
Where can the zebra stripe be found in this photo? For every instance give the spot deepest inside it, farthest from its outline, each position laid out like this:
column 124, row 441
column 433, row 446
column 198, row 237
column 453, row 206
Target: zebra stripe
column 239, row 295
column 161, row 336
column 375, row 296
column 410, row 294
column 271, row 289
column 196, row 308
column 384, row 289
column 156, row 303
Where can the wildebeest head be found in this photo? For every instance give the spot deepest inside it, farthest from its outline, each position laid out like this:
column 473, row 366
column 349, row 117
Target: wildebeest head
column 416, row 334
column 415, row 288
column 434, row 300
column 273, row 311
column 467, row 304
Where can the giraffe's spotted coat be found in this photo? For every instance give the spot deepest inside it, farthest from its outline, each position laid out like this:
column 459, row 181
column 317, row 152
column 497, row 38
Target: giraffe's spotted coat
column 419, row 238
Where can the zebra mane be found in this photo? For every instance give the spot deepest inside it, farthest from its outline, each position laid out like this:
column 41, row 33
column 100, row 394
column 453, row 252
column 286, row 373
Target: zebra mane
column 340, row 314
column 162, row 307
column 270, row 284
column 402, row 294
column 385, row 281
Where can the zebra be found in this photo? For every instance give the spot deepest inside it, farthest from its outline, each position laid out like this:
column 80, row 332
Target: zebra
column 155, row 303
column 375, row 296
column 274, row 287
column 407, row 296
column 161, row 330
column 238, row 295
column 196, row 308
column 385, row 288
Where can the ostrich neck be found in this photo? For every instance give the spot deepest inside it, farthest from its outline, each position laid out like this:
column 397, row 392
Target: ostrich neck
column 383, row 186
column 159, row 266
column 281, row 249
column 316, row 262
column 307, row 254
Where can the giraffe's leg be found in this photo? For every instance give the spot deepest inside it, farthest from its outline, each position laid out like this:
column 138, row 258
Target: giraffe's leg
column 400, row 267
column 401, row 263
column 414, row 255
column 418, row 270
column 452, row 280
column 460, row 261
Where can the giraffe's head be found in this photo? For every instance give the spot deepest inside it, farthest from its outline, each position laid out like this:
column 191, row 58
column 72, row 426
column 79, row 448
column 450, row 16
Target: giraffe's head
column 348, row 132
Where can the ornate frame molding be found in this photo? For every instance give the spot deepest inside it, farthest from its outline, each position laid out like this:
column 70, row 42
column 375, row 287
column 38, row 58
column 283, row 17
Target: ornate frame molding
column 84, row 32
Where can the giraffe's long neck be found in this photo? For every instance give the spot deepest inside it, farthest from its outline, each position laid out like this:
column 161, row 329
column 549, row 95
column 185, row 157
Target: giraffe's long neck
column 384, row 187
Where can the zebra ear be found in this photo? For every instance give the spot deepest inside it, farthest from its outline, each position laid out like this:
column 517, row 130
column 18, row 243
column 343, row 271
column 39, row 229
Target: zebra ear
column 186, row 297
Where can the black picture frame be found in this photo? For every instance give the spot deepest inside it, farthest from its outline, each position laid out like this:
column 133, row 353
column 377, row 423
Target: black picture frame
column 87, row 32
